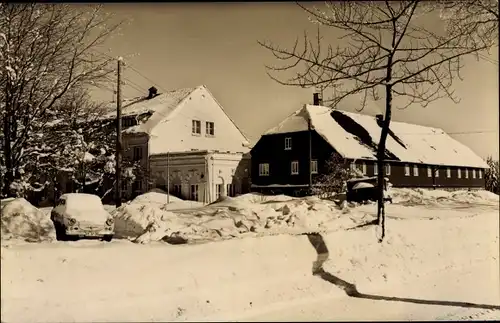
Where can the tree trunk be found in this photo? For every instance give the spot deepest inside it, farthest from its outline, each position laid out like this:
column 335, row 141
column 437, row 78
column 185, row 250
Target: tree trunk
column 381, row 149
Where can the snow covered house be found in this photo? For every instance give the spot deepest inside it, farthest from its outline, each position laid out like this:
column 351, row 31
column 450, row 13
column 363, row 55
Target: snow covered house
column 417, row 156
column 186, row 144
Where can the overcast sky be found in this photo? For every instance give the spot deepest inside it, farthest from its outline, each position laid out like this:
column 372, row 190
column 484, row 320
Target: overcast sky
column 188, row 44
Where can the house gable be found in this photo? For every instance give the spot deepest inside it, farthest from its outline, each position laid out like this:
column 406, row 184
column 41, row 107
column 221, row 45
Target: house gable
column 174, row 132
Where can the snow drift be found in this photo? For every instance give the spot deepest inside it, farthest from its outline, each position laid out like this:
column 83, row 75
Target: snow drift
column 418, row 196
column 21, row 220
column 146, row 219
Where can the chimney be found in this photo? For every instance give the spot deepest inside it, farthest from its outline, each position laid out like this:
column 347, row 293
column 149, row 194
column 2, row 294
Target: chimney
column 317, row 99
column 152, row 92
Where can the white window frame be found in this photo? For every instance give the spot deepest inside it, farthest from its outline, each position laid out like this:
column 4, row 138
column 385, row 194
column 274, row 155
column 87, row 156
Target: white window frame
column 314, row 166
column 388, row 169
column 375, row 168
column 288, row 143
column 466, row 173
column 230, row 190
column 429, row 171
column 264, row 169
column 352, row 166
column 294, row 165
column 474, row 173
column 459, row 173
column 407, row 170
column 196, row 127
column 209, row 125
column 436, row 173
column 480, row 174
column 415, row 170
column 448, row 172
column 363, row 168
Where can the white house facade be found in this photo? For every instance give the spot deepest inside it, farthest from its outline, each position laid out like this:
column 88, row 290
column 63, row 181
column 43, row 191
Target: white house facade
column 192, row 148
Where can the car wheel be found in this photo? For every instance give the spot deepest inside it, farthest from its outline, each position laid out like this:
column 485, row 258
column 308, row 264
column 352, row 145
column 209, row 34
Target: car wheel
column 60, row 234
column 108, row 237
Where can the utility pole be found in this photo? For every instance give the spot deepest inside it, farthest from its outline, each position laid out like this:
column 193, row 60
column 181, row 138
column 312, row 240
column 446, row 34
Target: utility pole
column 168, row 178
column 118, row 170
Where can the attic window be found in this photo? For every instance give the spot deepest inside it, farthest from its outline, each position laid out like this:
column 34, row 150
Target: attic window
column 480, row 173
column 196, row 127
column 288, row 143
column 209, row 128
column 415, row 170
column 429, row 171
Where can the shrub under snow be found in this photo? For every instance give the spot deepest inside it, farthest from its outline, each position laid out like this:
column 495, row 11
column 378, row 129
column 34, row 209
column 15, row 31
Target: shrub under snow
column 21, row 220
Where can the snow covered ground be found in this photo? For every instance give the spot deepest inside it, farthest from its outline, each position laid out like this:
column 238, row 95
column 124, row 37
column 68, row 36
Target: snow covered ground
column 440, row 260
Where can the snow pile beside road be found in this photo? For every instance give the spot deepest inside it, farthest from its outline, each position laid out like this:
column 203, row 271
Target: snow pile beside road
column 145, row 220
column 21, row 220
column 159, row 197
column 418, row 196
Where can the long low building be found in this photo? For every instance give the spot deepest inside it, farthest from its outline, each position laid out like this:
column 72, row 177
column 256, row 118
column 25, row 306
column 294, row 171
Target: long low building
column 416, row 156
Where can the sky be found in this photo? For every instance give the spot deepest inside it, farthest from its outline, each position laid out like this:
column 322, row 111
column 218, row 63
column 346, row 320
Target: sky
column 177, row 45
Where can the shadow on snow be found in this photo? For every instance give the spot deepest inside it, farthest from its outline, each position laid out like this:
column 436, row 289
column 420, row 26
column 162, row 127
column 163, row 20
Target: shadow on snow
column 319, row 245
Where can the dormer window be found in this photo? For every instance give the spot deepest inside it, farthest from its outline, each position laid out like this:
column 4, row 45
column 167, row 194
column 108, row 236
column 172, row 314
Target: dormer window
column 196, row 127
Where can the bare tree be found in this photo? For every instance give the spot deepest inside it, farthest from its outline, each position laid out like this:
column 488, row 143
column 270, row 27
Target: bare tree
column 45, row 50
column 383, row 46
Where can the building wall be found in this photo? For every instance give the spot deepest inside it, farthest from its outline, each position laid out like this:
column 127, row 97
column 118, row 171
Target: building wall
column 207, row 170
column 199, row 105
column 271, row 149
column 398, row 178
column 133, row 142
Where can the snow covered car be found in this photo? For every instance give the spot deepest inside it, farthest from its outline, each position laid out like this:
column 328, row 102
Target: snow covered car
column 79, row 215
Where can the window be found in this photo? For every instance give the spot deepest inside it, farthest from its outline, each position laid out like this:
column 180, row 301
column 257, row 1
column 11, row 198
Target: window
column 209, row 128
column 196, row 127
column 295, row 167
column 288, row 143
column 473, row 173
column 177, row 190
column 407, row 170
column 363, row 168
column 375, row 169
column 448, row 172
column 137, row 153
column 480, row 173
column 388, row 169
column 459, row 173
column 466, row 173
column 218, row 190
column 415, row 170
column 314, row 166
column 193, row 196
column 230, row 190
column 436, row 173
column 429, row 171
column 263, row 169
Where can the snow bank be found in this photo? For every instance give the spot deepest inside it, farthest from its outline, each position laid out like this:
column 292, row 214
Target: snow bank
column 239, row 278
column 148, row 219
column 410, row 197
column 21, row 220
column 159, row 197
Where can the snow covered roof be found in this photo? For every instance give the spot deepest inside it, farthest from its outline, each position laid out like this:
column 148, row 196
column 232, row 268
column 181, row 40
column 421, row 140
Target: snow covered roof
column 356, row 136
column 163, row 103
